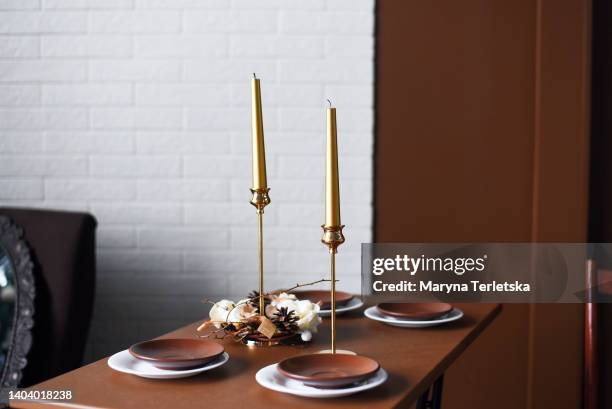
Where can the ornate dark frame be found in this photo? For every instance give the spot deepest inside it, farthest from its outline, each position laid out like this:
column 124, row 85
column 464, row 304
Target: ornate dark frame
column 11, row 239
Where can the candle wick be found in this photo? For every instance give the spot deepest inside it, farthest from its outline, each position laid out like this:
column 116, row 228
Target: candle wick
column 330, row 104
column 254, row 76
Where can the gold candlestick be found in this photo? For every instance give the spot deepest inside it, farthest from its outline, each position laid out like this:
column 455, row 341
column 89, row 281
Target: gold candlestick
column 332, row 229
column 260, row 197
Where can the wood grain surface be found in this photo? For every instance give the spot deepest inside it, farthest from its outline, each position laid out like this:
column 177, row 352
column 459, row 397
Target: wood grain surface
column 414, row 358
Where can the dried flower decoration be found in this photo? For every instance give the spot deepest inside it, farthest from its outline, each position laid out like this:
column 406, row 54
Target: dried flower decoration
column 285, row 315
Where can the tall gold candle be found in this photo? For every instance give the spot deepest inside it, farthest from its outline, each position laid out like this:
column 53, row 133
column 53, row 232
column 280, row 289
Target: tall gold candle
column 259, row 152
column 332, row 191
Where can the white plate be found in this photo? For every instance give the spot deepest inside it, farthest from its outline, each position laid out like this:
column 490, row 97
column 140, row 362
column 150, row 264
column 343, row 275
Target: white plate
column 124, row 362
column 270, row 378
column 373, row 314
column 353, row 304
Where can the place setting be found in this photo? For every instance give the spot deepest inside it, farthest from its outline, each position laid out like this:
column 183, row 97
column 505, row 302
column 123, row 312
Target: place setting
column 322, row 375
column 413, row 315
column 169, row 358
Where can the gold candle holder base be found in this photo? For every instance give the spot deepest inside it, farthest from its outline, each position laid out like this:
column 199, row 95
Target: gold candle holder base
column 338, row 351
column 293, row 339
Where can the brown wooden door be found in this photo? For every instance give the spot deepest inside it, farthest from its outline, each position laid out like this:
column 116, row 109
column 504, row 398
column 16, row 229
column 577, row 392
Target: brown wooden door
column 482, row 135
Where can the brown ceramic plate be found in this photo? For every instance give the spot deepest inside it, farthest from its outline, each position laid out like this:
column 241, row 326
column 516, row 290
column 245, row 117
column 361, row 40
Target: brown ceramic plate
column 177, row 353
column 328, row 371
column 415, row 311
column 315, row 296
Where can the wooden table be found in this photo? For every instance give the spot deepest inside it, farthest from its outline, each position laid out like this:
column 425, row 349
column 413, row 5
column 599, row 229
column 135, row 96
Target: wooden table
column 414, row 358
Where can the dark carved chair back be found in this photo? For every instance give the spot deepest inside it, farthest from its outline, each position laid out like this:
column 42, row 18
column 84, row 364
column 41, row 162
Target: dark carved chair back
column 63, row 250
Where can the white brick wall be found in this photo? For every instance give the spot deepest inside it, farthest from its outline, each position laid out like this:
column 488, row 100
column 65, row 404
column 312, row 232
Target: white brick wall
column 138, row 111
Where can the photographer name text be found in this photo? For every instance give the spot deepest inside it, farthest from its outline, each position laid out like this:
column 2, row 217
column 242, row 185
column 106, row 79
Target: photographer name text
column 471, row 286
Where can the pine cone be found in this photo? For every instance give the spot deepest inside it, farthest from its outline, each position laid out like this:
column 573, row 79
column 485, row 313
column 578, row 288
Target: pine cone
column 254, row 300
column 285, row 320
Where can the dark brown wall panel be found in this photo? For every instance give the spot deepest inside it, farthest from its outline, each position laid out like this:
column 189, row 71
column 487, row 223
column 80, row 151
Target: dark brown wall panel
column 454, row 155
column 560, row 194
column 481, row 136
column 454, row 120
column 600, row 214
